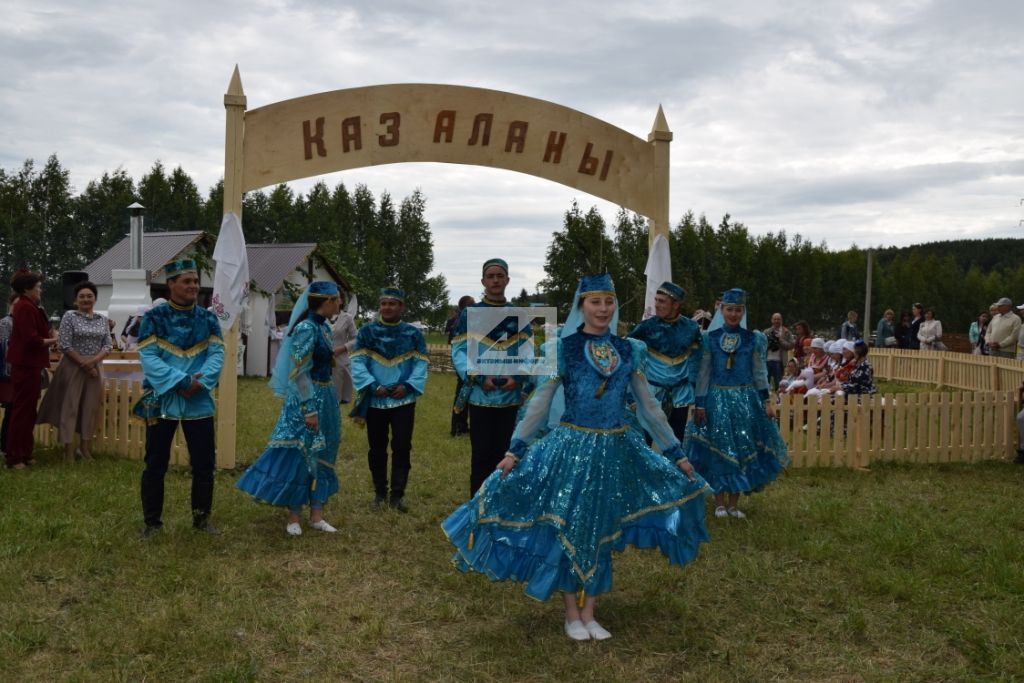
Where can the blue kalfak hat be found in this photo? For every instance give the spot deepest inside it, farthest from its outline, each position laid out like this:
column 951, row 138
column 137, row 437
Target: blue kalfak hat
column 324, row 288
column 392, row 293
column 495, row 262
column 673, row 290
column 734, row 296
column 179, row 266
column 601, row 283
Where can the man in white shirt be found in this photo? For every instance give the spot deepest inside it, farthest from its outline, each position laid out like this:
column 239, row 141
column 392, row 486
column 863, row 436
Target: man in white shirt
column 1001, row 336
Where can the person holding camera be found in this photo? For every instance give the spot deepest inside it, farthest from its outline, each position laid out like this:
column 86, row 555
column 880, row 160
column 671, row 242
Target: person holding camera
column 389, row 370
column 780, row 341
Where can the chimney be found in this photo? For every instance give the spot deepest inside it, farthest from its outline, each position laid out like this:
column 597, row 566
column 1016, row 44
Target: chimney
column 136, row 235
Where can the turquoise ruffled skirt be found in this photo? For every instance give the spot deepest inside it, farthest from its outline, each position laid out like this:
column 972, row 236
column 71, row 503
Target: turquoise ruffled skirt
column 576, row 496
column 738, row 449
column 284, row 473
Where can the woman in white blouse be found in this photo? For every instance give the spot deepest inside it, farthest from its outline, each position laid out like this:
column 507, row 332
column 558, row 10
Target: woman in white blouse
column 76, row 391
column 930, row 332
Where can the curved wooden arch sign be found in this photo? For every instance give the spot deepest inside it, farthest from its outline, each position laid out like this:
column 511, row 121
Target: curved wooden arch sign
column 389, row 124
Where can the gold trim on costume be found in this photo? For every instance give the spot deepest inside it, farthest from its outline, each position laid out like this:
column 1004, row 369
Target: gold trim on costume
column 596, row 292
column 673, row 360
column 179, row 307
column 389, row 362
column 595, row 430
column 176, row 350
column 566, row 544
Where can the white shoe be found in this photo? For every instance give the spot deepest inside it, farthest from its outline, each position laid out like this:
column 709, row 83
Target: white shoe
column 322, row 525
column 737, row 513
column 596, row 631
column 576, row 630
column 294, row 529
column 720, row 511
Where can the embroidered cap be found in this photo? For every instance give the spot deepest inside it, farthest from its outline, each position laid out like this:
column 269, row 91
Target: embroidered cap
column 591, row 285
column 180, row 266
column 324, row 288
column 392, row 293
column 734, row 296
column 494, row 262
column 673, row 290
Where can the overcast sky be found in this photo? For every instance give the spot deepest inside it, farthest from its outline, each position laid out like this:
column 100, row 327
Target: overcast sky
column 875, row 123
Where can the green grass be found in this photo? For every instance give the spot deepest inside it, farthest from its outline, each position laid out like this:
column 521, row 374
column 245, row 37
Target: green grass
column 901, row 573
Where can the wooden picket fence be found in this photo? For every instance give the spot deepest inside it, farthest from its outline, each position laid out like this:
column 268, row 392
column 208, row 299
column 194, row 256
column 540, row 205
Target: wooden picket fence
column 856, row 431
column 942, row 426
column 948, row 369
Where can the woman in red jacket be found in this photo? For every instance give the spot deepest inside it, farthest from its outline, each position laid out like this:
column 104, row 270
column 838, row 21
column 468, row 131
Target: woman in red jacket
column 28, row 354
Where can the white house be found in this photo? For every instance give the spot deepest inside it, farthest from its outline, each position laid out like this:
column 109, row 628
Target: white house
column 278, row 272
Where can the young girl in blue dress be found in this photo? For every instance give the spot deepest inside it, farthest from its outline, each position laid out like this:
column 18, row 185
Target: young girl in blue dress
column 733, row 440
column 553, row 511
column 297, row 468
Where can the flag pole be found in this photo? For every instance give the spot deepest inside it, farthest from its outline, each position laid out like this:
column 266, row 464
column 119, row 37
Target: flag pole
column 227, row 393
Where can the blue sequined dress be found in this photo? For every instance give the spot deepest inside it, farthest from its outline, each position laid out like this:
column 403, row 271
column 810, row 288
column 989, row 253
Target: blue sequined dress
column 588, row 487
column 738, row 448
column 297, row 468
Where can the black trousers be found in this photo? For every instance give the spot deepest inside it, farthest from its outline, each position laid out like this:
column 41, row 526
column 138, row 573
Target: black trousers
column 489, row 440
column 201, row 457
column 677, row 421
column 460, row 421
column 399, row 421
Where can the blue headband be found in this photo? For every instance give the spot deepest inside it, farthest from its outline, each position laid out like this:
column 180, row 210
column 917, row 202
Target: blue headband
column 495, row 262
column 182, row 265
column 596, row 284
column 735, row 296
column 323, row 288
column 673, row 290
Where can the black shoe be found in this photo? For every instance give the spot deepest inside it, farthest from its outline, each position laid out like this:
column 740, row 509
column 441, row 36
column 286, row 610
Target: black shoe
column 378, row 503
column 399, row 504
column 1020, row 457
column 150, row 532
column 206, row 528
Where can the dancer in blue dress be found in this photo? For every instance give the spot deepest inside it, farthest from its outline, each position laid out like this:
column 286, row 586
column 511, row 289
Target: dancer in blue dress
column 553, row 511
column 297, row 468
column 733, row 440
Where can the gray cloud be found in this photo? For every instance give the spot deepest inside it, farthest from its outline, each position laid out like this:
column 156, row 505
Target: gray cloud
column 875, row 122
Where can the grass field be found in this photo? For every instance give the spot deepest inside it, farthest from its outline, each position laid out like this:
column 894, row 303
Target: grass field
column 900, row 573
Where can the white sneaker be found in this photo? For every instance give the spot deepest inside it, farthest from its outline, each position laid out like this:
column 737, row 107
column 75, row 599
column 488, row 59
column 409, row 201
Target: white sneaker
column 322, row 525
column 576, row 630
column 596, row 631
column 720, row 511
column 294, row 529
column 737, row 513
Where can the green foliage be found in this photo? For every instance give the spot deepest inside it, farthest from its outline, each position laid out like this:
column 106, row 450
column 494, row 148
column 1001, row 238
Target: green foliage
column 44, row 227
column 786, row 274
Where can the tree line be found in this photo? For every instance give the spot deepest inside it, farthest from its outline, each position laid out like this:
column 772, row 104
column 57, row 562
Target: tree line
column 372, row 241
column 789, row 274
column 45, row 226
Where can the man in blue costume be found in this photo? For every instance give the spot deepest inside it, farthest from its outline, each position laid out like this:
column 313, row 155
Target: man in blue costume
column 389, row 370
column 493, row 401
column 181, row 350
column 673, row 354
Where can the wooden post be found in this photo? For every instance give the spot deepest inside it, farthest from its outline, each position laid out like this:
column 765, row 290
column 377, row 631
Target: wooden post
column 661, row 138
column 227, row 403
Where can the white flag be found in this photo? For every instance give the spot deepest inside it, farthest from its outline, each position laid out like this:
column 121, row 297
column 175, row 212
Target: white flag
column 658, row 270
column 231, row 276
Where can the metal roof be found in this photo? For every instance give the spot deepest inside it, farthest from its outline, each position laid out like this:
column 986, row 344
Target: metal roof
column 159, row 249
column 269, row 264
